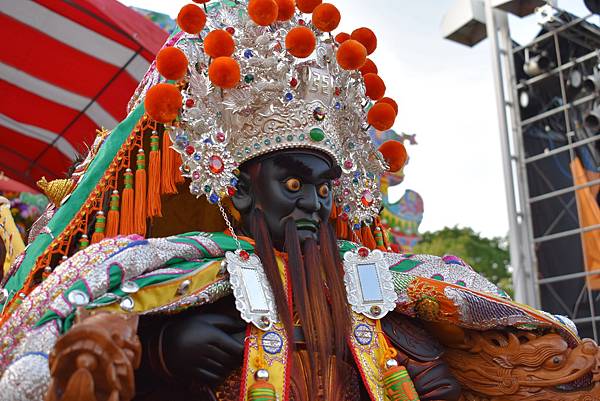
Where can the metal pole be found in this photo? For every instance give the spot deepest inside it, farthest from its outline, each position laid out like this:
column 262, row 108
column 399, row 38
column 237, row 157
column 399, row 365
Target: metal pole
column 520, row 280
column 527, row 246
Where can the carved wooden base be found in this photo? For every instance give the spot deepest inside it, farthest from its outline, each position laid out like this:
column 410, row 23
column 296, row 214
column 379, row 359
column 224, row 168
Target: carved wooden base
column 521, row 365
column 96, row 359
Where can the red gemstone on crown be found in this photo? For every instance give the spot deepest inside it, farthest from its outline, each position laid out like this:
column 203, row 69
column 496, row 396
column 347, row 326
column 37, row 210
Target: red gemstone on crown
column 293, row 82
column 244, row 255
column 367, row 198
column 337, row 91
column 189, row 103
column 190, row 150
column 215, row 164
column 363, row 252
column 344, row 216
column 220, row 137
column 230, row 30
column 231, row 191
column 348, row 165
column 301, row 22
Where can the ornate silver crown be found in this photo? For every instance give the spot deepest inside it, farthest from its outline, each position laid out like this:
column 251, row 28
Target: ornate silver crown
column 281, row 102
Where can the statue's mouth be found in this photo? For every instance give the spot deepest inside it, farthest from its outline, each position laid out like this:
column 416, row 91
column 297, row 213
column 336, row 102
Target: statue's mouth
column 581, row 384
column 307, row 224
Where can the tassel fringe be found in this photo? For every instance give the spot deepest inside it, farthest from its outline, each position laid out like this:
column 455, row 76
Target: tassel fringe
column 84, row 242
column 112, row 223
column 99, row 227
column 126, row 227
column 179, row 179
column 154, row 206
column 169, row 168
column 367, row 237
column 139, row 221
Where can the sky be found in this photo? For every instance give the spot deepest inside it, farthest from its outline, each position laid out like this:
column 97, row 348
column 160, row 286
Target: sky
column 445, row 93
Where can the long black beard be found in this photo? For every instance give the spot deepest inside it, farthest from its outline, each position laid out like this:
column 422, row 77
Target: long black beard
column 319, row 300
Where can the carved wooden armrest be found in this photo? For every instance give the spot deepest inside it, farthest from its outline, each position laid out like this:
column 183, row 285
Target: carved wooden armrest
column 523, row 365
column 95, row 360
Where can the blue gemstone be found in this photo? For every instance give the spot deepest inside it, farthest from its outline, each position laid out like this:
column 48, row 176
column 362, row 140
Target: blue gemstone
column 338, row 105
column 208, row 140
column 213, row 198
column 248, row 53
column 347, row 208
column 197, row 157
column 357, row 226
column 356, row 174
column 234, row 182
column 289, row 96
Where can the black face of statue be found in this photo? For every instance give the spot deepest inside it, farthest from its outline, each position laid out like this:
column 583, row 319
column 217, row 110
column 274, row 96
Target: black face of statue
column 287, row 184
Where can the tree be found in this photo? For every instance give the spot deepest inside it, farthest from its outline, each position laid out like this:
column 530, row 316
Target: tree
column 488, row 256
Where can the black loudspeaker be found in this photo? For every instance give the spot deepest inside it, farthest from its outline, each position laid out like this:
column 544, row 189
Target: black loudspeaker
column 593, row 6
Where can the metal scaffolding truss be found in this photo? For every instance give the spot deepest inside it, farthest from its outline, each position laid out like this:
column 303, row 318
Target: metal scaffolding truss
column 557, row 121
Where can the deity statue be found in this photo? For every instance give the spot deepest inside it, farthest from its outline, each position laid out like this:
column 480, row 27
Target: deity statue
column 223, row 243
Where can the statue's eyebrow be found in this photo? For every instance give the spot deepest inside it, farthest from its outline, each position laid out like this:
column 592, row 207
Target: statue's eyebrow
column 334, row 172
column 294, row 165
column 302, row 170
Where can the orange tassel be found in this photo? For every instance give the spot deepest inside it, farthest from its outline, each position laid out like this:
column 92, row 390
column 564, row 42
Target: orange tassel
column 154, row 207
column 341, row 224
column 176, row 157
column 384, row 232
column 126, row 226
column 112, row 222
column 367, row 237
column 168, row 167
column 139, row 220
column 98, row 234
column 84, row 242
column 357, row 236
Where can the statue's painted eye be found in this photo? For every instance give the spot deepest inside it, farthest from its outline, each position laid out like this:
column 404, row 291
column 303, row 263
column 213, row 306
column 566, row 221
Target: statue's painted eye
column 554, row 362
column 293, row 184
column 323, row 190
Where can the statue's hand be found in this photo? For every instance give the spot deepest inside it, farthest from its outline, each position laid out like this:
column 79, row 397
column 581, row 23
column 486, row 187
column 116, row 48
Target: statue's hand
column 205, row 348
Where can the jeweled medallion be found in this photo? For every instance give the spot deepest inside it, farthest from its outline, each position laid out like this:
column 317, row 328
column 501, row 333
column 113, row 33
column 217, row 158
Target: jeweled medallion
column 253, row 294
column 369, row 283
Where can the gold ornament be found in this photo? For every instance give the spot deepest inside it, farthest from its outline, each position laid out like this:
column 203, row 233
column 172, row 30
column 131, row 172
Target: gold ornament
column 428, row 308
column 56, row 190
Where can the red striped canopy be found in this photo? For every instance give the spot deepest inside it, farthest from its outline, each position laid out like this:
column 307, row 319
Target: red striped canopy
column 67, row 68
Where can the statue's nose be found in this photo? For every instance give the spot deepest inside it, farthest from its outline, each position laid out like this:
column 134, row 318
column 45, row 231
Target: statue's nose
column 309, row 200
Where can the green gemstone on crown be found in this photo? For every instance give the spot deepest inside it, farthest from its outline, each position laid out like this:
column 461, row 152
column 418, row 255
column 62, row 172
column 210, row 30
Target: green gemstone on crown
column 317, row 134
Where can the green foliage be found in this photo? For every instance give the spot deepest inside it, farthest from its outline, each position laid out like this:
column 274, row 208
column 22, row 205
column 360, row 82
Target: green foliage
column 488, row 256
